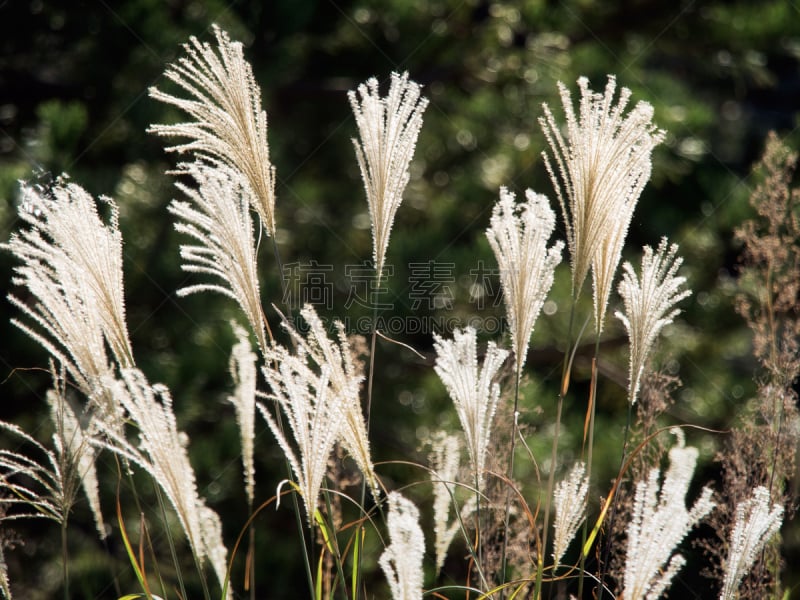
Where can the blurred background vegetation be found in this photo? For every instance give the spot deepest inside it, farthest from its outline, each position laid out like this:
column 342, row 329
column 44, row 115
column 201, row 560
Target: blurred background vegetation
column 73, row 98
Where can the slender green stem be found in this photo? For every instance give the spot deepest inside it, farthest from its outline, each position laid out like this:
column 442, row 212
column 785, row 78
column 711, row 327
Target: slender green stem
column 589, row 454
column 548, row 499
column 171, row 544
column 65, row 558
column 301, row 530
column 334, row 541
column 137, row 501
column 503, row 553
column 613, row 514
column 565, row 373
column 465, row 533
column 306, row 551
column 478, row 536
column 562, row 391
column 370, row 378
column 280, row 273
column 251, row 555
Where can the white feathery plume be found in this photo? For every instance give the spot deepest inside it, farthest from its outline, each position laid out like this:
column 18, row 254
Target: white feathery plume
column 755, row 524
column 344, row 378
column 401, row 561
column 216, row 552
column 72, row 267
column 602, row 164
column 659, row 523
column 74, row 446
column 474, row 394
column 388, row 128
column 228, row 125
column 244, row 373
column 45, row 488
column 444, row 460
column 569, row 501
column 161, row 451
column 518, row 235
column 649, row 305
column 218, row 219
column 314, row 419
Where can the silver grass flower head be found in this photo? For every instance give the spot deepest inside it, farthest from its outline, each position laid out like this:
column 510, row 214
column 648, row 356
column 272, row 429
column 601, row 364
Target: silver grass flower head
column 345, row 376
column 649, row 305
column 314, row 420
column 228, row 125
column 72, row 267
column 42, row 488
column 317, row 388
column 401, row 561
column 518, row 235
column 659, row 523
column 444, row 460
column 569, row 501
column 388, row 127
column 162, row 453
column 244, row 372
column 73, row 444
column 471, row 389
column 598, row 167
column 217, row 218
column 756, row 522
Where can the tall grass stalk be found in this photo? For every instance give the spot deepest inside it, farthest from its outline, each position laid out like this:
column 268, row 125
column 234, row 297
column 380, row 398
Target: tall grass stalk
column 587, row 455
column 173, row 552
column 518, row 235
column 566, row 369
column 332, row 539
column 65, row 559
column 512, row 450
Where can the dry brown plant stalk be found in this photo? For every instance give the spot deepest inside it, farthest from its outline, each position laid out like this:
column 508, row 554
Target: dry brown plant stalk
column 761, row 449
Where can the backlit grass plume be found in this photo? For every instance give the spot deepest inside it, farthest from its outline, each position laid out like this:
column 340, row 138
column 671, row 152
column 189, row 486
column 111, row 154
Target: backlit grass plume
column 74, row 447
column 388, row 127
column 218, row 218
column 317, row 388
column 35, row 489
column 569, row 500
column 72, row 268
column 471, row 388
column 649, row 305
column 518, row 235
column 244, row 372
column 401, row 561
column 314, row 419
column 161, row 451
column 41, row 488
column 228, row 125
column 756, row 522
column 659, row 523
column 444, row 460
column 344, row 374
column 599, row 168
